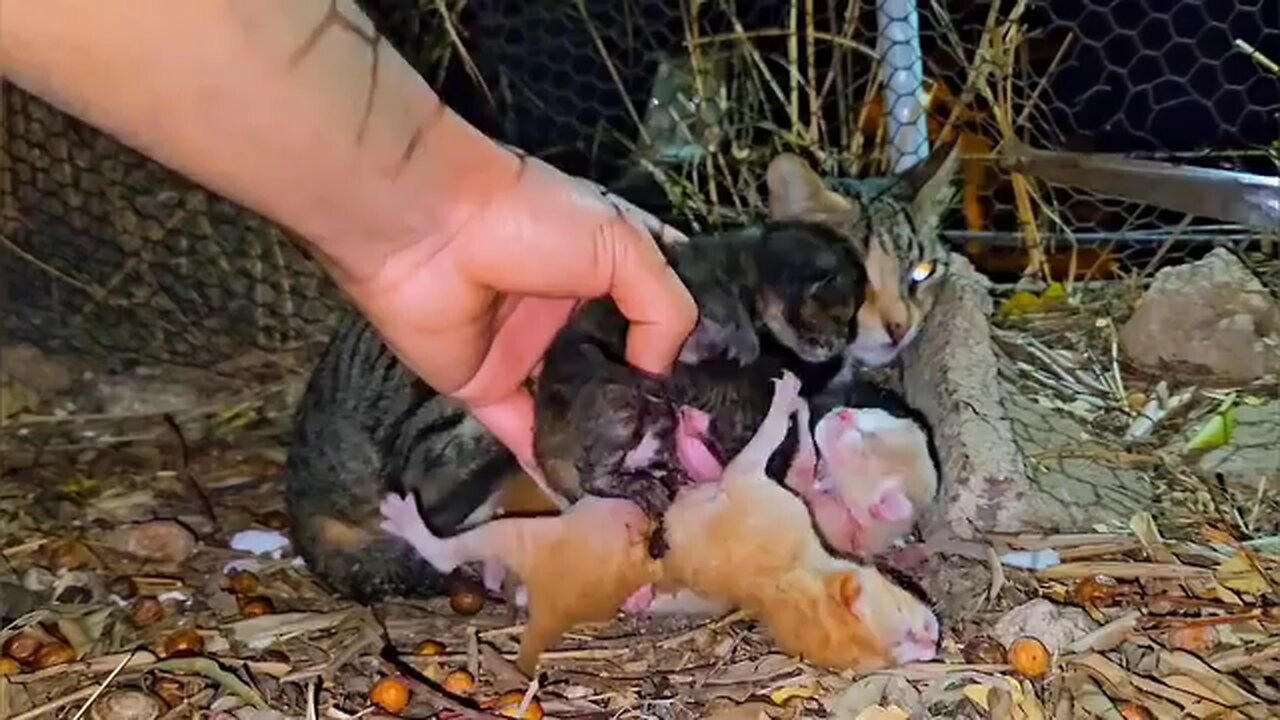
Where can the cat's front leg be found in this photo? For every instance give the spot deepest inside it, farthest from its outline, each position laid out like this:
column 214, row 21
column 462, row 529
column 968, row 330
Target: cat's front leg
column 753, row 458
column 400, row 517
column 802, row 476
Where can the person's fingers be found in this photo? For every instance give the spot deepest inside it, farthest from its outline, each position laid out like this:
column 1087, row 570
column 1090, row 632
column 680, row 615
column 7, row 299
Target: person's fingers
column 646, row 221
column 511, row 421
column 518, row 345
column 659, row 309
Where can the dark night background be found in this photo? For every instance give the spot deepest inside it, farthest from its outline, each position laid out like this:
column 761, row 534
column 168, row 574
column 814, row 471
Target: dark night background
column 1142, row 76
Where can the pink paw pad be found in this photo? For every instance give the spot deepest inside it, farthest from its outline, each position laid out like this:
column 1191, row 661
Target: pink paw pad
column 691, row 447
column 892, row 506
column 640, row 601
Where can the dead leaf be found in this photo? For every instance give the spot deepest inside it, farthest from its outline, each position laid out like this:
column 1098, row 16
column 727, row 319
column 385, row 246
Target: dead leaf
column 1109, row 636
column 880, row 712
column 1030, row 706
column 1123, row 570
column 260, row 632
column 17, row 398
column 1090, row 698
column 747, row 711
column 1240, row 574
column 859, row 696
column 758, row 670
column 83, row 631
column 1001, row 703
column 506, row 675
column 785, row 693
column 980, row 693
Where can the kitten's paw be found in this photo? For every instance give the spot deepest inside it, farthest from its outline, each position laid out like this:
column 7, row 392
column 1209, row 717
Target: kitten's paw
column 786, row 390
column 892, row 505
column 640, row 601
column 400, row 516
column 493, row 573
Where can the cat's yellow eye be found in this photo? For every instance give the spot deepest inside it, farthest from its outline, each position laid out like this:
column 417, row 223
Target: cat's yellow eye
column 922, row 271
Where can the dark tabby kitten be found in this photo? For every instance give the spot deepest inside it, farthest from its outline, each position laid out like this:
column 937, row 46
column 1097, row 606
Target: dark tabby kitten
column 367, row 426
column 795, row 282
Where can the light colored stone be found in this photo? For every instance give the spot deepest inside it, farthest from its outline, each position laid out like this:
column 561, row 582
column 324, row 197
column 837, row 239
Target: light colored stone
column 1057, row 626
column 31, row 367
column 1211, row 318
column 1252, row 458
column 1080, row 491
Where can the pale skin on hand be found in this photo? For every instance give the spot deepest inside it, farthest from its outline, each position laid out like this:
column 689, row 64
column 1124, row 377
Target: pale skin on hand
column 465, row 255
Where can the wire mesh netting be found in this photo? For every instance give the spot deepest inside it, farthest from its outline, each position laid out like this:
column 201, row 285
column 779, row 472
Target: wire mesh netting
column 679, row 105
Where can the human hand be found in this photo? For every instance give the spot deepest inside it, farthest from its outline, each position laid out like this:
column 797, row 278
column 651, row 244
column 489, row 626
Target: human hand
column 473, row 311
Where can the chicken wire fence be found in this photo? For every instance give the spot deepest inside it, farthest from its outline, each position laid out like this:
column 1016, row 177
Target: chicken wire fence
column 679, row 104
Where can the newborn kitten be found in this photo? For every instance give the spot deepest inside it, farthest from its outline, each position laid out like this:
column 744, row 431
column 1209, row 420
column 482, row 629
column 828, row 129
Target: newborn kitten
column 875, row 469
column 744, row 539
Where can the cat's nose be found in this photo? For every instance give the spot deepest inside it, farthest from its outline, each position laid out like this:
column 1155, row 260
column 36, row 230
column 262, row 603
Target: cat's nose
column 896, row 331
column 848, row 416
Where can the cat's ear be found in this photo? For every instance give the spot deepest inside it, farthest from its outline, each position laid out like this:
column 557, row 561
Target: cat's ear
column 891, row 503
column 929, row 184
column 797, row 192
column 845, row 587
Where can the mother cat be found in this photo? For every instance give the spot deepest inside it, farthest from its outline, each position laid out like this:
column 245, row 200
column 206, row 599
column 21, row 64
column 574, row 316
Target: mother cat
column 827, row 282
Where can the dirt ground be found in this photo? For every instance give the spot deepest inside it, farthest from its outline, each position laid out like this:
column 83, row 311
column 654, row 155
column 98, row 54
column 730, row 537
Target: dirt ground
column 122, row 497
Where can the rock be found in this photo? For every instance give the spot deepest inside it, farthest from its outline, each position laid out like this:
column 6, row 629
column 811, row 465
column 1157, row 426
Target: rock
column 1253, row 455
column 130, row 395
column 127, row 704
column 160, row 540
column 30, row 367
column 949, row 373
column 1057, row 626
column 1211, row 318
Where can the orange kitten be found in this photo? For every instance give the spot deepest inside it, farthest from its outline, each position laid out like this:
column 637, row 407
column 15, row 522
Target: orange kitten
column 744, row 539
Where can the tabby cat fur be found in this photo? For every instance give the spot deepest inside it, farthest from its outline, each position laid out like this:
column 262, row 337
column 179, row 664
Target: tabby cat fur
column 367, row 426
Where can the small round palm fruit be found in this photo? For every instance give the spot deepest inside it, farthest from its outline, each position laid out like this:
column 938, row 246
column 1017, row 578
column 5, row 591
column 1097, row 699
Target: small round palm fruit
column 69, row 555
column 390, row 694
column 430, row 647
column 54, row 653
column 508, row 705
column 23, row 647
column 9, row 666
column 1096, row 590
column 466, row 596
column 984, row 650
column 243, row 582
column 1029, row 657
column 1135, row 711
column 256, row 606
column 145, row 611
column 459, row 682
column 183, row 643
